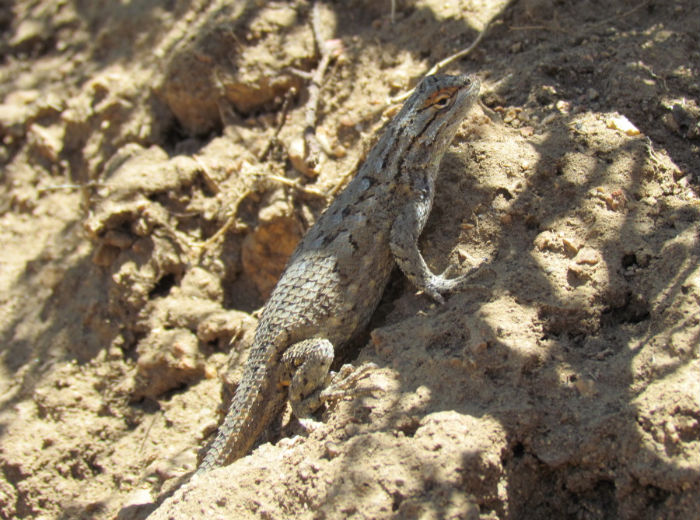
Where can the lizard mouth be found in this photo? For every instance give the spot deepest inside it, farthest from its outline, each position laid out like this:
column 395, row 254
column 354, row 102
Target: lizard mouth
column 468, row 92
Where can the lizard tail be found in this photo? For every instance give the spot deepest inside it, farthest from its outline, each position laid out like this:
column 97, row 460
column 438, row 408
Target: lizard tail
column 252, row 408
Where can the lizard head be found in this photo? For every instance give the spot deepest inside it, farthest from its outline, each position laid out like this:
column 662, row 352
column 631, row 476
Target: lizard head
column 433, row 113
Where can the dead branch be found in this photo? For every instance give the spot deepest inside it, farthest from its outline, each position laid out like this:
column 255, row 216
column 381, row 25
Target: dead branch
column 326, row 49
column 445, row 62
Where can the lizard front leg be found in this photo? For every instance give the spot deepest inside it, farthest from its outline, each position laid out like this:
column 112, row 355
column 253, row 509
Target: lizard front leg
column 311, row 383
column 403, row 243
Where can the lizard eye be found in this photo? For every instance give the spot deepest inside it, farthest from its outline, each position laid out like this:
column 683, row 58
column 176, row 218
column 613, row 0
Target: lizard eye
column 441, row 101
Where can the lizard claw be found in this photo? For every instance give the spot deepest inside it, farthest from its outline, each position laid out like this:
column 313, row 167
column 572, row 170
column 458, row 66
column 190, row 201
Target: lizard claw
column 440, row 284
column 342, row 383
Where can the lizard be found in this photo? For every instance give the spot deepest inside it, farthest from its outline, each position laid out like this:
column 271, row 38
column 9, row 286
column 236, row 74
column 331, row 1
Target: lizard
column 336, row 276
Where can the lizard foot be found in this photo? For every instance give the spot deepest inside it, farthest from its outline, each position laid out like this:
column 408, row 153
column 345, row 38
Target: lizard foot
column 440, row 284
column 311, row 383
column 343, row 382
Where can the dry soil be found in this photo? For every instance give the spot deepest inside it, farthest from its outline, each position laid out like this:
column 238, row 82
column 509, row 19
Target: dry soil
column 153, row 184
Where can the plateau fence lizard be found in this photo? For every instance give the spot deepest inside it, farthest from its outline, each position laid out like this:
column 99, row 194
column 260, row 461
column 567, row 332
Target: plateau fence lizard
column 335, row 278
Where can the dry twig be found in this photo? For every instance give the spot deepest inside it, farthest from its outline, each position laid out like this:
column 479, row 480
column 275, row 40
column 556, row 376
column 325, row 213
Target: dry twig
column 327, row 50
column 294, row 184
column 445, row 62
column 231, row 222
column 283, row 119
column 59, row 187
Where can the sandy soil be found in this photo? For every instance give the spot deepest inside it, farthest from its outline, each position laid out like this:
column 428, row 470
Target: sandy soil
column 146, row 211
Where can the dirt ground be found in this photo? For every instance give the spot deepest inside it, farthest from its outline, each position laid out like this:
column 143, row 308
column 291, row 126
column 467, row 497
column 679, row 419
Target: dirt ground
column 153, row 186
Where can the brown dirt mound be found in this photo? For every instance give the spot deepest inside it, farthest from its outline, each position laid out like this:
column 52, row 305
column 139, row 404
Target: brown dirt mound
column 143, row 220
